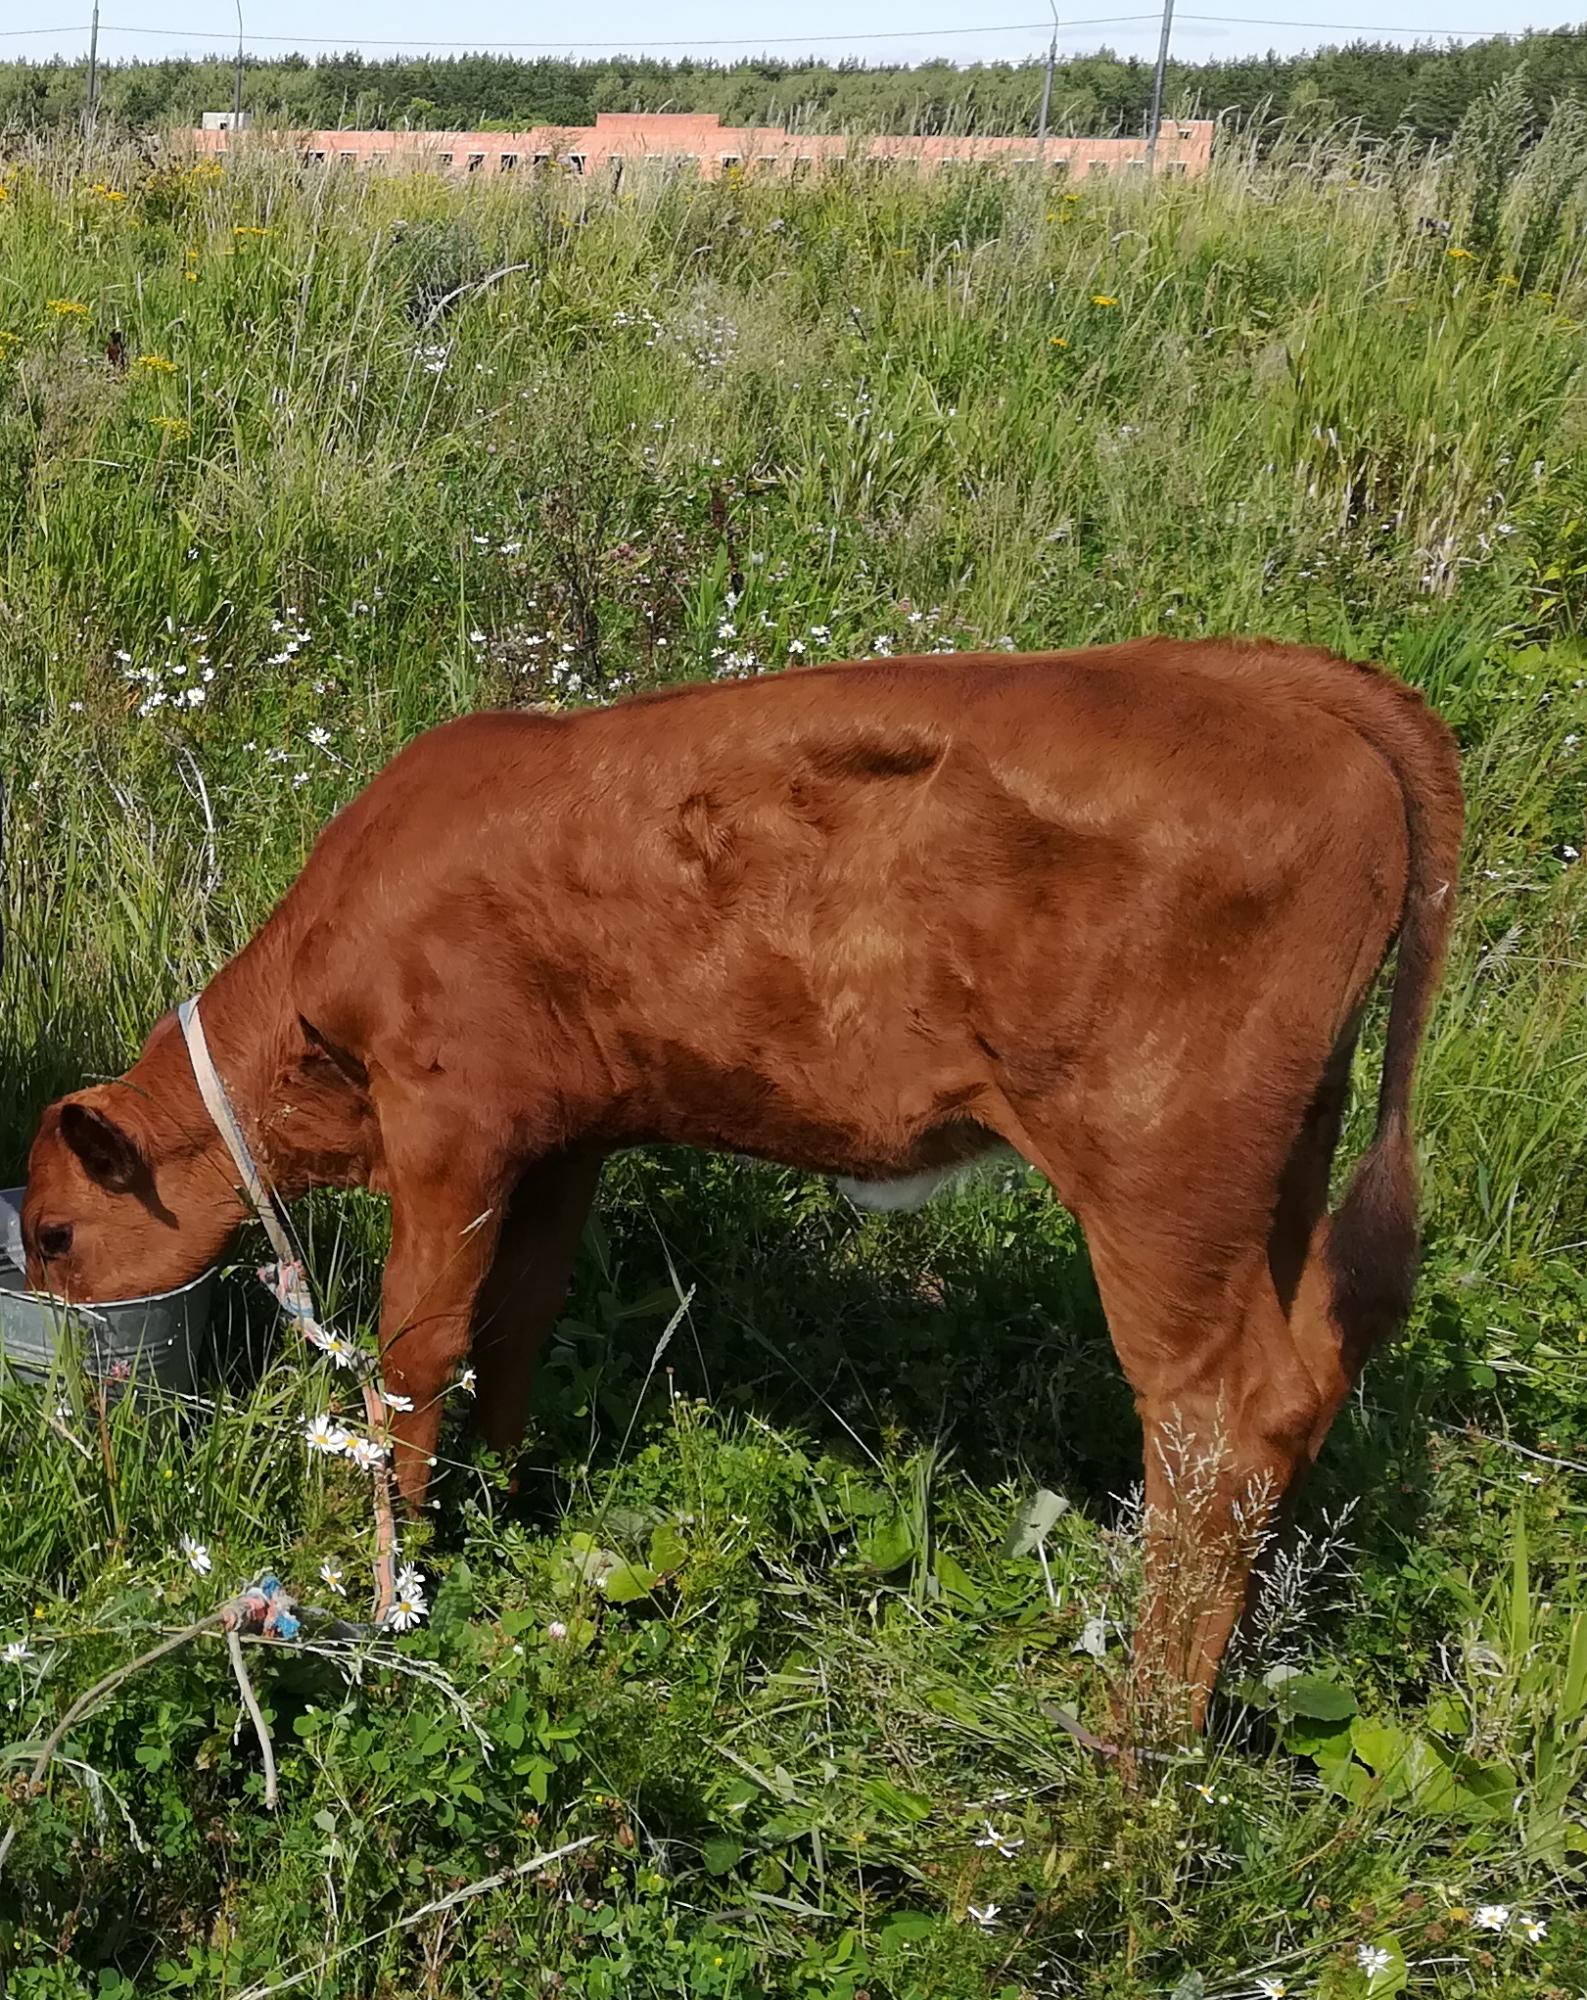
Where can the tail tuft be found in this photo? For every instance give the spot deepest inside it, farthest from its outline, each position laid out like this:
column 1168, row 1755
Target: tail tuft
column 1375, row 1240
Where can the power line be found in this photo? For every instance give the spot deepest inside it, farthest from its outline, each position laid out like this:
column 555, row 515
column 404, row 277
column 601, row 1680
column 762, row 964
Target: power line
column 632, row 47
column 644, row 43
column 1378, row 28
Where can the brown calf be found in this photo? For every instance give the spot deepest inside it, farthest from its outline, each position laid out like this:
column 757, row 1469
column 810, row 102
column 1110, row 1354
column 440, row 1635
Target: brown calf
column 1120, row 910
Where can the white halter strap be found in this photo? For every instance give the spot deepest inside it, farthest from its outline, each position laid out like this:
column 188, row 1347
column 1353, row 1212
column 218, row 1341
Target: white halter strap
column 218, row 1105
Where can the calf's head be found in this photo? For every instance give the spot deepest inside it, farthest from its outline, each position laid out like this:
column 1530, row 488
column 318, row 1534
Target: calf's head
column 129, row 1186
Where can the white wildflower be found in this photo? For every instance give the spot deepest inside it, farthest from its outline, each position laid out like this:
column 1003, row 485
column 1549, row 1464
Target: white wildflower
column 1271, row 1989
column 1373, row 1959
column 466, row 1381
column 1007, row 1844
column 987, row 1917
column 407, row 1609
column 323, row 1433
column 556, row 1629
column 1491, row 1916
column 393, row 1401
column 1533, row 1929
column 16, row 1651
column 198, row 1557
column 338, row 1348
column 366, row 1452
column 331, row 1577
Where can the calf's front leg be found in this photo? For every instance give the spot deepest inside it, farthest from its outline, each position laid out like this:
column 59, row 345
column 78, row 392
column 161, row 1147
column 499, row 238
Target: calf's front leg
column 445, row 1225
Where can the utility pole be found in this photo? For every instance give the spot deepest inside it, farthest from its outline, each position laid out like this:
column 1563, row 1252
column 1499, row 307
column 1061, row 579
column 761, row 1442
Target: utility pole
column 1052, row 57
column 93, row 72
column 1157, row 89
column 236, row 95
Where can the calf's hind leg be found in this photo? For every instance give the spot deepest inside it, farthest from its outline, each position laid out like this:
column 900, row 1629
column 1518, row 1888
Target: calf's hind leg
column 1227, row 1413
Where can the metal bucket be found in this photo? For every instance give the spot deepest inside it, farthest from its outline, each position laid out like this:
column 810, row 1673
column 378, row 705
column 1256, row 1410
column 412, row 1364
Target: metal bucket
column 162, row 1339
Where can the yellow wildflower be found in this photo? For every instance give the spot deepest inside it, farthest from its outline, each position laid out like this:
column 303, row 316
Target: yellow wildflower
column 1457, row 250
column 5, row 192
column 1103, row 299
column 1057, row 341
column 155, row 364
column 250, row 229
column 101, row 192
column 1509, row 282
column 67, row 307
column 177, row 427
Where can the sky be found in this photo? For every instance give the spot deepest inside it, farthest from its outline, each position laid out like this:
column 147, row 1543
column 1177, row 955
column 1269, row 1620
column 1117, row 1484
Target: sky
column 907, row 31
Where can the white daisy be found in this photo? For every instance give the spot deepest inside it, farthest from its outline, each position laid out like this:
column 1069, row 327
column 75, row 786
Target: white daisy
column 1373, row 1959
column 1271, row 1989
column 16, row 1651
column 393, row 1401
column 331, row 1577
column 466, row 1381
column 198, row 1557
column 986, row 1918
column 366, row 1452
column 407, row 1609
column 323, row 1433
column 1007, row 1844
column 1491, row 1916
column 1533, row 1929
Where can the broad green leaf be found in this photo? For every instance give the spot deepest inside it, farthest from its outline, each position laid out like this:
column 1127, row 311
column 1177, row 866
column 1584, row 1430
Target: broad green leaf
column 906, row 1929
column 721, row 1855
column 626, row 1582
column 1328, row 1742
column 1407, row 1767
column 889, row 1545
column 668, row 1550
column 956, row 1583
column 1321, row 1700
column 895, row 1800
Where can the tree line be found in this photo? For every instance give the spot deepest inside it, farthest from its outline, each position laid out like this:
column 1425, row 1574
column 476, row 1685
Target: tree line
column 1423, row 90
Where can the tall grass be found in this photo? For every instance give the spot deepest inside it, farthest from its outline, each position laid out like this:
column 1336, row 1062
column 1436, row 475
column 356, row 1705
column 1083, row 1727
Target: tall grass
column 697, row 431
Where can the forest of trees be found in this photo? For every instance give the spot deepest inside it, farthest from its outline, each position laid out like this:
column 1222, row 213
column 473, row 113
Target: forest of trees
column 1423, row 90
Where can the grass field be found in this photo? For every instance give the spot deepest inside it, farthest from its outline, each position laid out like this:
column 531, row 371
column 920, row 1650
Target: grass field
column 707, row 430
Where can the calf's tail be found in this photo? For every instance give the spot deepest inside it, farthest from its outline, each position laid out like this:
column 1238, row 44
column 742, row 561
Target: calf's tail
column 1375, row 1237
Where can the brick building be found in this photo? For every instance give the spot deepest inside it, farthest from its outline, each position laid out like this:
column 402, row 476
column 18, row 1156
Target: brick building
column 621, row 140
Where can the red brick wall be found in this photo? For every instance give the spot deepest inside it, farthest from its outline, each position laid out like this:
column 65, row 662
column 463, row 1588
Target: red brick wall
column 1184, row 147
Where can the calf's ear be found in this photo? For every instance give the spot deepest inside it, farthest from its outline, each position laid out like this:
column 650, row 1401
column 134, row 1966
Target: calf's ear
column 110, row 1156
